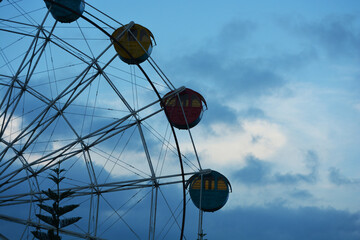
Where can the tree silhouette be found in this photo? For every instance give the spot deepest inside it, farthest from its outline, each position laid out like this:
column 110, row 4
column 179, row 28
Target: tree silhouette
column 201, row 236
column 55, row 219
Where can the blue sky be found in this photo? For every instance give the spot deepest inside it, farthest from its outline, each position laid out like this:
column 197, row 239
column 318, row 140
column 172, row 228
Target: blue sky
column 282, row 83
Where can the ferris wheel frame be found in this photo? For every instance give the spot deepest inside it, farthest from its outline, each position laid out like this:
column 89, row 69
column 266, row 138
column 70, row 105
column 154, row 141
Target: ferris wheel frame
column 102, row 134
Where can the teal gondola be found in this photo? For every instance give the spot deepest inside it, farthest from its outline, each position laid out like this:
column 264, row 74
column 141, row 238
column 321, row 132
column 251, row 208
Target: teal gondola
column 209, row 191
column 60, row 13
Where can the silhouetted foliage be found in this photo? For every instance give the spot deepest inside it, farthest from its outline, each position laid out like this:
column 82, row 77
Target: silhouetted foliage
column 55, row 210
column 201, row 235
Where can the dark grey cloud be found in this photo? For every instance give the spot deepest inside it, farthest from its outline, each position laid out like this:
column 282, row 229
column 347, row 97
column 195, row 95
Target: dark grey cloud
column 337, row 35
column 290, row 178
column 290, row 61
column 255, row 172
column 258, row 172
column 300, row 194
column 337, row 178
column 234, row 33
column 312, row 163
column 281, row 223
column 219, row 64
column 238, row 78
column 273, row 222
column 217, row 111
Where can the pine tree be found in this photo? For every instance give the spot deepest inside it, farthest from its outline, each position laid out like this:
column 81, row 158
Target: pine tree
column 201, row 236
column 55, row 219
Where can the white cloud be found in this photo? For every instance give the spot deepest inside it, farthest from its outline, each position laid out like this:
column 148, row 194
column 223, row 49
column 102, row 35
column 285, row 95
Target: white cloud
column 311, row 118
column 357, row 106
column 13, row 128
column 226, row 146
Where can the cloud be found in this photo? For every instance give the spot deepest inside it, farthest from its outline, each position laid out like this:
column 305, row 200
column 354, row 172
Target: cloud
column 337, row 178
column 301, row 194
column 337, row 35
column 226, row 146
column 223, row 65
column 258, row 172
column 278, row 222
column 357, row 106
column 234, row 79
column 13, row 128
column 218, row 112
column 252, row 113
column 285, row 61
column 312, row 164
column 234, row 32
column 255, row 172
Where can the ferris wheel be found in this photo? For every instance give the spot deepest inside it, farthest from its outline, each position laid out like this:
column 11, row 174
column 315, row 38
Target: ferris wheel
column 85, row 110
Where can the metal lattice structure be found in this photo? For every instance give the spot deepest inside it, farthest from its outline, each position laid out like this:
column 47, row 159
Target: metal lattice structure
column 67, row 98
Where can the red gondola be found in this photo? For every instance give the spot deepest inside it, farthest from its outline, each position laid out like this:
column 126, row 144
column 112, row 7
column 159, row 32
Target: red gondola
column 186, row 103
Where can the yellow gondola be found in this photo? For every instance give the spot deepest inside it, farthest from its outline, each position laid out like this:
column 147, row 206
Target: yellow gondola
column 135, row 43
